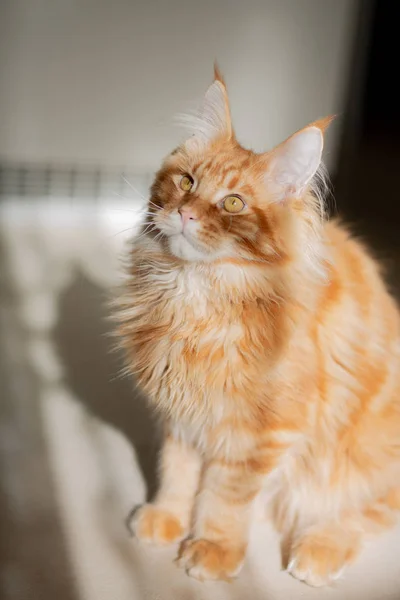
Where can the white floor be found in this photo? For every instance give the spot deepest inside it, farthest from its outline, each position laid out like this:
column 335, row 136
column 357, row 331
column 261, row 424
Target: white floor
column 95, row 468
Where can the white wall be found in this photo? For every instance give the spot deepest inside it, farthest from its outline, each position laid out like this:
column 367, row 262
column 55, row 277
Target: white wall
column 98, row 81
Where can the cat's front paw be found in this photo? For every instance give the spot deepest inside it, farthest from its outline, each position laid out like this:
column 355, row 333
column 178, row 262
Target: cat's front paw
column 204, row 559
column 154, row 525
column 318, row 564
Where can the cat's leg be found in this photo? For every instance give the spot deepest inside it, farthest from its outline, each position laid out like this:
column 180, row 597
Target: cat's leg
column 222, row 516
column 167, row 519
column 319, row 554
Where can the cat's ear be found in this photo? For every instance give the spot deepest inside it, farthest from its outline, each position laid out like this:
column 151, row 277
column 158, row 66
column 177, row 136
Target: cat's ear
column 213, row 119
column 293, row 164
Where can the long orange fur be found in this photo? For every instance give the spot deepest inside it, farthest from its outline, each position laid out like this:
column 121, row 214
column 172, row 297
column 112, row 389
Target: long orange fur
column 272, row 354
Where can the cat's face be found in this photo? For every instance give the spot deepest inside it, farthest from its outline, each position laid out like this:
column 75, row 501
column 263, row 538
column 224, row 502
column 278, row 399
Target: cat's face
column 213, row 199
column 214, row 204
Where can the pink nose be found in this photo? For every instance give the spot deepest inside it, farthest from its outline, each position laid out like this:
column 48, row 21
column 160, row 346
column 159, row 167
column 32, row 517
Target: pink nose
column 187, row 214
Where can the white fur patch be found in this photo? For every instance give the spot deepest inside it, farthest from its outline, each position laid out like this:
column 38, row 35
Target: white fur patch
column 183, row 242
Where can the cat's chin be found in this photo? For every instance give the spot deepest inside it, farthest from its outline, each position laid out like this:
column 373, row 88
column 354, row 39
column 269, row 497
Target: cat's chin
column 182, row 248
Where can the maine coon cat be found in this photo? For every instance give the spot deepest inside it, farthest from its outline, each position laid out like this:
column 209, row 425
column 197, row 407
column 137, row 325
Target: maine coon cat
column 266, row 340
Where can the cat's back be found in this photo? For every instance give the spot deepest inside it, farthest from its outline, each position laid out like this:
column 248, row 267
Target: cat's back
column 357, row 326
column 356, row 277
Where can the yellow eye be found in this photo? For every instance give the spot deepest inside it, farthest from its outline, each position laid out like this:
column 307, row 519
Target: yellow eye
column 186, row 183
column 233, row 204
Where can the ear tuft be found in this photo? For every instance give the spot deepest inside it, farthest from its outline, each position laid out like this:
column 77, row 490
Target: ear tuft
column 218, row 75
column 323, row 123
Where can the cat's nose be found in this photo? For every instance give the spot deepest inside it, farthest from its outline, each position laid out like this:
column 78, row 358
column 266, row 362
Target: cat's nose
column 187, row 214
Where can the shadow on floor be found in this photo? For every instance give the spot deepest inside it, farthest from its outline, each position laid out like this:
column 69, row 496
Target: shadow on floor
column 91, row 371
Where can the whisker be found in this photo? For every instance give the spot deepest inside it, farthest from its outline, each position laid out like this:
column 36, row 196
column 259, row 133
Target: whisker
column 158, row 236
column 123, row 209
column 133, row 188
column 147, row 223
column 145, row 232
column 153, row 204
column 119, row 232
column 120, row 196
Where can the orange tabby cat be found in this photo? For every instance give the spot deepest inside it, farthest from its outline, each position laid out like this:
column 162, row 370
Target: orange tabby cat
column 268, row 343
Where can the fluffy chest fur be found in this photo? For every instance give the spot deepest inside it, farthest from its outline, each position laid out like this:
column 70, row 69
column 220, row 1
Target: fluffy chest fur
column 203, row 356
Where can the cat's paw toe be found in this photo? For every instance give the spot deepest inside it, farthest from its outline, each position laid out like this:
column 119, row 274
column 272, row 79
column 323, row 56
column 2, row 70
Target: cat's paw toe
column 154, row 525
column 316, row 564
column 204, row 559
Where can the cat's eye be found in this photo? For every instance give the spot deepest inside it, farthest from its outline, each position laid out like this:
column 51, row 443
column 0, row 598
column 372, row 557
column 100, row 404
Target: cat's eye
column 186, row 183
column 233, row 204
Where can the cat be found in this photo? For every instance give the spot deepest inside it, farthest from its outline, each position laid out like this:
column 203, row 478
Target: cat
column 266, row 340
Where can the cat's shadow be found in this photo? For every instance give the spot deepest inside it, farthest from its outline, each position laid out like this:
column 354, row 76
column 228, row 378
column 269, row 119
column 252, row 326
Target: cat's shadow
column 92, row 371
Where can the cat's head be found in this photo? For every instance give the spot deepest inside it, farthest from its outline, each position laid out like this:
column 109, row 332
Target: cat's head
column 214, row 199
